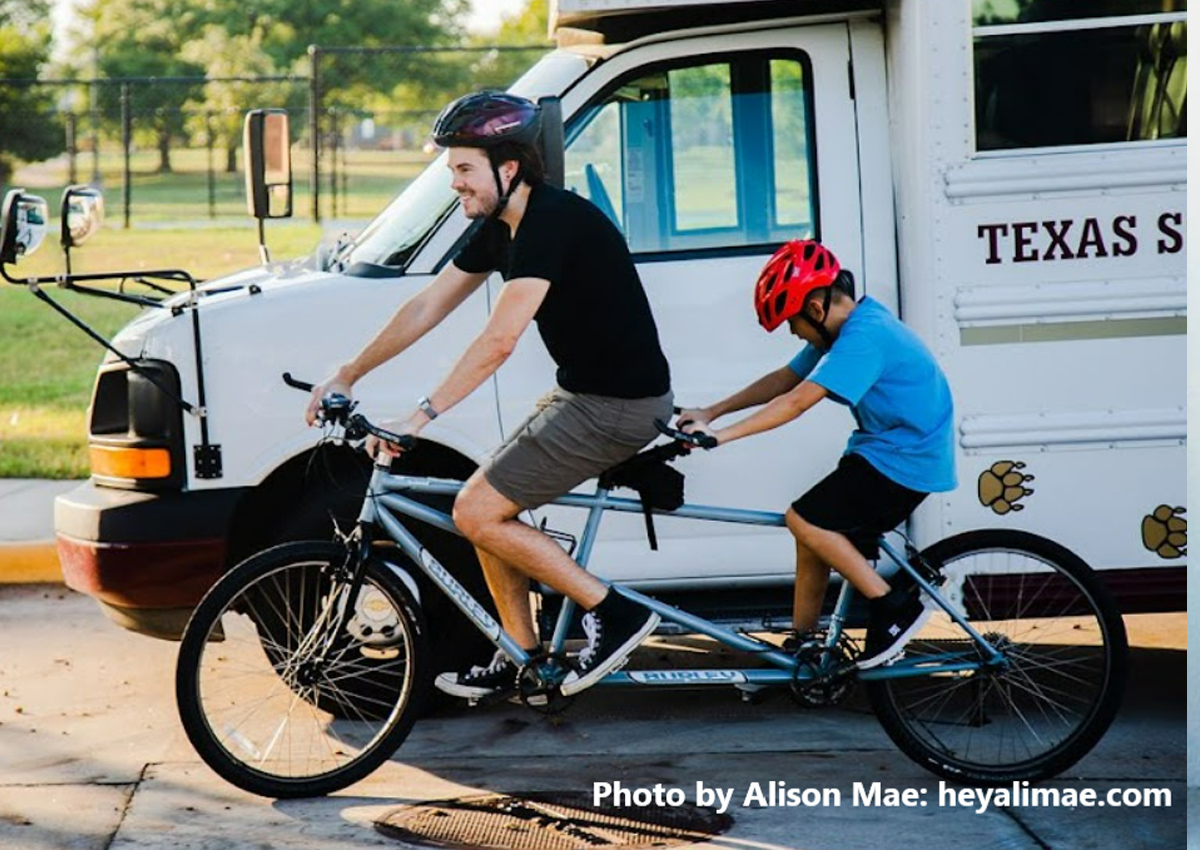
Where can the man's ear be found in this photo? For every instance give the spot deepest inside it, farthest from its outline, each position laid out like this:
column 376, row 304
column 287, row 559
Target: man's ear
column 508, row 170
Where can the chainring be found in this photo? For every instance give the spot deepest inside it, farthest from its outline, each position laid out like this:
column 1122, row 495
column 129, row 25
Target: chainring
column 538, row 680
column 831, row 669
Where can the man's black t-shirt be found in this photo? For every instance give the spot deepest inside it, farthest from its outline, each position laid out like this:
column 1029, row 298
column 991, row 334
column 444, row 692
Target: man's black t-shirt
column 595, row 320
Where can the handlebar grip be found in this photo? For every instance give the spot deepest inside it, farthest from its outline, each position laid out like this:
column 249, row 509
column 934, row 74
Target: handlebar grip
column 295, row 384
column 699, row 439
column 405, row 441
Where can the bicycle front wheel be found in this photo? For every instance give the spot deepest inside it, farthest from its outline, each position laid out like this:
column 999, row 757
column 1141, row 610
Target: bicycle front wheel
column 1064, row 644
column 290, row 686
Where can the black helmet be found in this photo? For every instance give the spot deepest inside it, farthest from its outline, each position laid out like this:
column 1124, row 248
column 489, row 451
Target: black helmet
column 487, row 118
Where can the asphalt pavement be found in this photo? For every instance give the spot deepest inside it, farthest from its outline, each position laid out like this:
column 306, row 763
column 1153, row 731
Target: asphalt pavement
column 92, row 756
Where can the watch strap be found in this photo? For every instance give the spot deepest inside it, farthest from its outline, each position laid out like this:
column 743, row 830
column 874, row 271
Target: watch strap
column 427, row 408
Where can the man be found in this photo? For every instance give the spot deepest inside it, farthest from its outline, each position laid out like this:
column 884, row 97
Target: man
column 860, row 355
column 567, row 268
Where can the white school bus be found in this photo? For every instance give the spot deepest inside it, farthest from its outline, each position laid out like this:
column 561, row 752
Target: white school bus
column 1007, row 175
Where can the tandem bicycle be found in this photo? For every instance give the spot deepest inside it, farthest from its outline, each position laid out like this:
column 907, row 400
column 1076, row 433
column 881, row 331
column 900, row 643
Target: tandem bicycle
column 304, row 668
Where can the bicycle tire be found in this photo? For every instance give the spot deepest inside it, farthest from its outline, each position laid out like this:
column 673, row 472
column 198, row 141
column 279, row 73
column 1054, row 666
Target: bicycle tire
column 235, row 674
column 1067, row 655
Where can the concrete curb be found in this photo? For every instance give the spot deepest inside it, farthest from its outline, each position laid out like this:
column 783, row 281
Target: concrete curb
column 29, row 562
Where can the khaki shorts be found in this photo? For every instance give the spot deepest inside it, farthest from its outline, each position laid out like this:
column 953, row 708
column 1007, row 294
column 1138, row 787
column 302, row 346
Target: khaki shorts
column 569, row 438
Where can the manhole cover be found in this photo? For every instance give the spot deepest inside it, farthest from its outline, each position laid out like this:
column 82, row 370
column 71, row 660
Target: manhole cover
column 548, row 821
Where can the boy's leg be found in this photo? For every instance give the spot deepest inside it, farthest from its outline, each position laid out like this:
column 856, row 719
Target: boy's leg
column 812, row 578
column 818, row 550
column 858, row 498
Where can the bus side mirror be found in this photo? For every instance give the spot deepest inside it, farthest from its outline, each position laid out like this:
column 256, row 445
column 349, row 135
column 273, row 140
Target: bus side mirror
column 268, row 153
column 82, row 215
column 22, row 225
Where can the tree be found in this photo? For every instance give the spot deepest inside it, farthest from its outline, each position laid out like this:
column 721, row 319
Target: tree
column 530, row 26
column 221, row 106
column 286, row 28
column 449, row 75
column 29, row 128
column 143, row 38
column 235, row 38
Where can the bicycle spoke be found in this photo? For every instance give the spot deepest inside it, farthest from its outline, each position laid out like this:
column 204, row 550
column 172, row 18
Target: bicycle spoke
column 1053, row 695
column 290, row 691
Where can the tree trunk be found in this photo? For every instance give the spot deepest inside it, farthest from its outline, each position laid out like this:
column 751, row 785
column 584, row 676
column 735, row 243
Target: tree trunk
column 231, row 161
column 164, row 152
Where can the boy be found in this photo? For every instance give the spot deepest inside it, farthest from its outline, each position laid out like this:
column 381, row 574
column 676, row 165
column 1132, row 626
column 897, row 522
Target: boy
column 860, row 355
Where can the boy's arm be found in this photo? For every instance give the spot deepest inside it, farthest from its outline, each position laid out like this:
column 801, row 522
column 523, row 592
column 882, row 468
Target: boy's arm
column 779, row 411
column 769, row 386
column 415, row 317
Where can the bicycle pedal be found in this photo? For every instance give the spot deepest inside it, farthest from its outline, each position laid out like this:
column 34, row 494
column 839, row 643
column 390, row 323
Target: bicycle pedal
column 750, row 692
column 534, row 701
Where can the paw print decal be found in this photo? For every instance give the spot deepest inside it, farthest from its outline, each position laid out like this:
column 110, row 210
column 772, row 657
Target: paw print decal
column 1165, row 532
column 1002, row 485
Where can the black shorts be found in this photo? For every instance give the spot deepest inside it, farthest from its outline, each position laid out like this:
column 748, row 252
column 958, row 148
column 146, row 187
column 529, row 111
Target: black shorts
column 859, row 501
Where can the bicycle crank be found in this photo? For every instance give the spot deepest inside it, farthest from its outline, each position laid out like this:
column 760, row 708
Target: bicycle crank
column 823, row 674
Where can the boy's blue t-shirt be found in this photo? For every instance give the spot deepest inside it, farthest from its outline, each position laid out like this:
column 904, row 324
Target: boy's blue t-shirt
column 897, row 393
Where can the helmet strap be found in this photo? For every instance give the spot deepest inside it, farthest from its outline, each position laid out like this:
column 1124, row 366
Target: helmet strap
column 819, row 327
column 501, row 195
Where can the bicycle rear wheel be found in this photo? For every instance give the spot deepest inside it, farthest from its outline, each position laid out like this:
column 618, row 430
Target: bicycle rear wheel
column 275, row 697
column 1064, row 641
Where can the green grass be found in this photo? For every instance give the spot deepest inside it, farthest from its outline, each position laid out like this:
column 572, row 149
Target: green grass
column 367, row 181
column 47, row 366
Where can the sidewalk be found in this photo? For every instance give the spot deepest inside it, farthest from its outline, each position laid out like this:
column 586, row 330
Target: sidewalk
column 27, row 529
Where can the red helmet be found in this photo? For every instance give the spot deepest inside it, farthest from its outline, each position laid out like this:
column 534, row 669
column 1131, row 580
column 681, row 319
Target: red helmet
column 789, row 277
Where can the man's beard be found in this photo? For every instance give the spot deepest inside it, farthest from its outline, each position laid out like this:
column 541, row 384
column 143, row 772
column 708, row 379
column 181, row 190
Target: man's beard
column 486, row 206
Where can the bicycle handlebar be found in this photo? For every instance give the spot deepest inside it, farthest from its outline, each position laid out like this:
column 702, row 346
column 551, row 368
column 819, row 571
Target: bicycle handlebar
column 295, row 384
column 337, row 409
column 698, row 439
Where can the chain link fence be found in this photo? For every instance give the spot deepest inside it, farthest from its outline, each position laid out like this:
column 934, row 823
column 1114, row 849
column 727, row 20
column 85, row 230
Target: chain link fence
column 168, row 149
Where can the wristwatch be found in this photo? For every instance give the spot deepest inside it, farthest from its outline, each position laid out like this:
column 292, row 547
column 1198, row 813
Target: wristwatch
column 427, row 408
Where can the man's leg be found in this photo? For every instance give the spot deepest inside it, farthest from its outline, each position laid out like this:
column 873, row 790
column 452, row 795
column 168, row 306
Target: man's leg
column 488, row 520
column 510, row 590
column 614, row 624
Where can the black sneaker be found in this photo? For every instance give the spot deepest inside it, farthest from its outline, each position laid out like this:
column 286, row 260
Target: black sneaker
column 895, row 618
column 498, row 677
column 612, row 633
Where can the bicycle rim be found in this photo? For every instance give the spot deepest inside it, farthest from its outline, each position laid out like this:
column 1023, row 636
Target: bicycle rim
column 278, row 699
column 1065, row 651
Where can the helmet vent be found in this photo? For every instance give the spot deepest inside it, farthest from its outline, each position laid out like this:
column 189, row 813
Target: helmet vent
column 780, row 301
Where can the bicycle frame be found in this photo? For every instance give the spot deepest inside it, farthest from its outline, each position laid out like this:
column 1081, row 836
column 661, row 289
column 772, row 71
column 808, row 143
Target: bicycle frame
column 384, row 500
